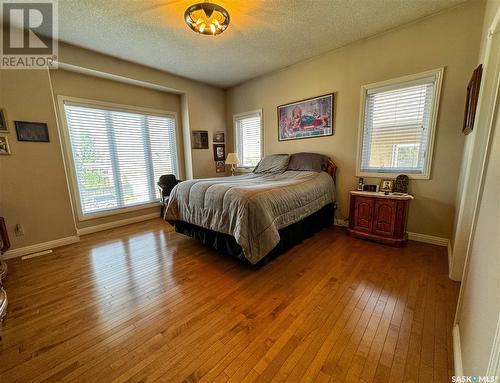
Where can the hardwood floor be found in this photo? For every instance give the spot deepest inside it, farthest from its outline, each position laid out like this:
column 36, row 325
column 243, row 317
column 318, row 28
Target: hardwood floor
column 142, row 303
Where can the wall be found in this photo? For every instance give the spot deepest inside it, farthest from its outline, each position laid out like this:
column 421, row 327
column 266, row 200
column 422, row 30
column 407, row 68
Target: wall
column 33, row 187
column 478, row 313
column 471, row 168
column 448, row 39
column 480, row 306
column 73, row 84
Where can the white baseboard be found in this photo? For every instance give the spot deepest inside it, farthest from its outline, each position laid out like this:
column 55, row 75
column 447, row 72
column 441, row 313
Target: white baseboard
column 341, row 222
column 111, row 225
column 428, row 239
column 457, row 352
column 14, row 253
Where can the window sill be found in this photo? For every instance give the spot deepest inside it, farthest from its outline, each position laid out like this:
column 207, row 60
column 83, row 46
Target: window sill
column 423, row 176
column 117, row 211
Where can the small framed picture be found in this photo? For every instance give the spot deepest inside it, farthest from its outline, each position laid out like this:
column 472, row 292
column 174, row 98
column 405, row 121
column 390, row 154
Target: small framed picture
column 4, row 145
column 219, row 152
column 32, row 131
column 219, row 137
column 220, row 167
column 199, row 139
column 386, row 185
column 3, row 122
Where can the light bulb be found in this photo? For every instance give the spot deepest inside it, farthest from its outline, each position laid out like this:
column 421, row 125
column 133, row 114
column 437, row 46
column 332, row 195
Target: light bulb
column 202, row 27
column 212, row 27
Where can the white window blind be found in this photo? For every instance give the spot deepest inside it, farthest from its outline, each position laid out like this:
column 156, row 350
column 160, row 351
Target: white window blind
column 119, row 155
column 248, row 129
column 397, row 126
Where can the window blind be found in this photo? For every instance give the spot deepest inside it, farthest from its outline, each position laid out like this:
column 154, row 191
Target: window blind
column 396, row 127
column 119, row 155
column 248, row 139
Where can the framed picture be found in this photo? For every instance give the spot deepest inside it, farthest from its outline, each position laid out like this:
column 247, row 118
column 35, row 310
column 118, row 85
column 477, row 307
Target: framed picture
column 386, row 185
column 219, row 137
column 4, row 145
column 220, row 167
column 307, row 118
column 199, row 139
column 471, row 99
column 3, row 122
column 32, row 131
column 219, row 152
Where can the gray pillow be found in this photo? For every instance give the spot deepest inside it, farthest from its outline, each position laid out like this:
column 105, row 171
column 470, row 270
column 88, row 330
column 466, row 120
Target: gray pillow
column 308, row 161
column 274, row 163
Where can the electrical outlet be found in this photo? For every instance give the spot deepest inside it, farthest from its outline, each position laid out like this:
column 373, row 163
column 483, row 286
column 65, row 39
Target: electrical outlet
column 19, row 230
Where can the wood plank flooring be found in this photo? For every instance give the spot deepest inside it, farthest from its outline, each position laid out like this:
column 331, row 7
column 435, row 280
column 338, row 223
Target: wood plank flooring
column 142, row 303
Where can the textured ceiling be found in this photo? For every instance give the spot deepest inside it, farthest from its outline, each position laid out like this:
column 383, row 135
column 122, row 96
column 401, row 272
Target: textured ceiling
column 263, row 35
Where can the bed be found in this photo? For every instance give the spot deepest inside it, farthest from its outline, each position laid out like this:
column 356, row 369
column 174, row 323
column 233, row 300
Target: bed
column 258, row 215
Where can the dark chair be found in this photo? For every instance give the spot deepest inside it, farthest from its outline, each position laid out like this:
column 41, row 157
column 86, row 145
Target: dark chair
column 166, row 183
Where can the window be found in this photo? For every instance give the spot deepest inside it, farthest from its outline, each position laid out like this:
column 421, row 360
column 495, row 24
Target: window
column 118, row 155
column 248, row 128
column 397, row 125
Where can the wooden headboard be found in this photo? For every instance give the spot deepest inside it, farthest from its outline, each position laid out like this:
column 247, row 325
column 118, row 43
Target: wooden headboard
column 331, row 169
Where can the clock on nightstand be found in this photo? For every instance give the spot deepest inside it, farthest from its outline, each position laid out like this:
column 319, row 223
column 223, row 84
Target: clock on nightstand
column 379, row 217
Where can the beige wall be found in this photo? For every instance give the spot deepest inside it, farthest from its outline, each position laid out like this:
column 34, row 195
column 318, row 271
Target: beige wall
column 479, row 307
column 65, row 83
column 33, row 187
column 450, row 40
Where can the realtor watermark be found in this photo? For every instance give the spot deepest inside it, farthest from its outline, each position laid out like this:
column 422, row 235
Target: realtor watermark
column 29, row 34
column 474, row 379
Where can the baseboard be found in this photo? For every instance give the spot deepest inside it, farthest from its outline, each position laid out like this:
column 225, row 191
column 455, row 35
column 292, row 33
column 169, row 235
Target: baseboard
column 494, row 363
column 341, row 222
column 450, row 262
column 111, row 225
column 14, row 253
column 457, row 352
column 428, row 239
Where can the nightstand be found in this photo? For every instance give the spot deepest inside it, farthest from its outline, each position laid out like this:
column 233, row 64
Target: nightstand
column 379, row 217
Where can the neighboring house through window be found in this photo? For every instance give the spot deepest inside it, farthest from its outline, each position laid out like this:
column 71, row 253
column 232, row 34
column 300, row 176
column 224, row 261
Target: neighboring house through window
column 397, row 125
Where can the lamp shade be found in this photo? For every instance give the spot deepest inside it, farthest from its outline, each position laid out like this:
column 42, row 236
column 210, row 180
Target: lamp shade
column 232, row 159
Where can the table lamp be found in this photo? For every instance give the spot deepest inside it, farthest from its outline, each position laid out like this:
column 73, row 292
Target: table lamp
column 233, row 160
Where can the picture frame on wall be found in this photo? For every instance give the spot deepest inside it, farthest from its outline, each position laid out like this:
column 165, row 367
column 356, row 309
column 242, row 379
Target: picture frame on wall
column 32, row 131
column 199, row 139
column 220, row 167
column 4, row 146
column 3, row 122
column 219, row 137
column 472, row 97
column 312, row 117
column 219, row 152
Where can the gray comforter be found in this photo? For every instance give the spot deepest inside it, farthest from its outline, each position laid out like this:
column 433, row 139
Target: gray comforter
column 251, row 208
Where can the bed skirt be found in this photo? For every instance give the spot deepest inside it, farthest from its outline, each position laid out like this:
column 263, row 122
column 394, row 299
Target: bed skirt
column 289, row 236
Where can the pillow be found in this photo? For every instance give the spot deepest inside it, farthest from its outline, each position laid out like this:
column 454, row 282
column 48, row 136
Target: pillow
column 308, row 161
column 274, row 163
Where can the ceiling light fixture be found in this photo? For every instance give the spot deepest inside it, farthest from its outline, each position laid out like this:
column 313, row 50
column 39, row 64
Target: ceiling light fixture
column 207, row 18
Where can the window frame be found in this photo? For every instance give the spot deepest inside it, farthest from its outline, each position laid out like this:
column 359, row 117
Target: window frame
column 242, row 115
column 69, row 163
column 395, row 84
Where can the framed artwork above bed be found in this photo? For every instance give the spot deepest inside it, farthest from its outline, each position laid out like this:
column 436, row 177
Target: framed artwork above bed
column 308, row 118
